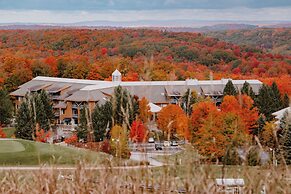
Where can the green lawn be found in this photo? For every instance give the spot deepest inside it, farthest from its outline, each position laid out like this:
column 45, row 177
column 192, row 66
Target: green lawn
column 23, row 152
column 9, row 131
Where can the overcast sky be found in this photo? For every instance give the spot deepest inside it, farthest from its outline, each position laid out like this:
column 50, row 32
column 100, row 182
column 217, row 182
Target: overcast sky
column 69, row 11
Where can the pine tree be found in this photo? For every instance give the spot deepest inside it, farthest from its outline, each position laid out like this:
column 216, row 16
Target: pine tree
column 277, row 101
column 229, row 89
column 286, row 144
column 25, row 126
column 248, row 90
column 43, row 109
column 40, row 112
column 269, row 100
column 82, row 129
column 285, row 101
column 6, row 108
column 102, row 120
column 47, row 104
column 261, row 124
column 124, row 107
column 265, row 102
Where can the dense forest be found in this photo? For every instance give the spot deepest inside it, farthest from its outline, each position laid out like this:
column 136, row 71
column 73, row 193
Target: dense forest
column 138, row 53
column 271, row 39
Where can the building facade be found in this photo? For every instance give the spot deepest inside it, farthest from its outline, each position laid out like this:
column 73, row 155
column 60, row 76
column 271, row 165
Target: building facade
column 69, row 95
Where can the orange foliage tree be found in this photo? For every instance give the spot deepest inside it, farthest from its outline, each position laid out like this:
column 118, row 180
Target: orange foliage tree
column 243, row 108
column 200, row 113
column 169, row 121
column 138, row 132
column 144, row 110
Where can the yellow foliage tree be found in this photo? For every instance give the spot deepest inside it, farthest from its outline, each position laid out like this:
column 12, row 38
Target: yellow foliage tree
column 119, row 142
column 144, row 110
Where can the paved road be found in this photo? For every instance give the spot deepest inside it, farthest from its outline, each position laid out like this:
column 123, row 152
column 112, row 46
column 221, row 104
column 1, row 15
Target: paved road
column 148, row 156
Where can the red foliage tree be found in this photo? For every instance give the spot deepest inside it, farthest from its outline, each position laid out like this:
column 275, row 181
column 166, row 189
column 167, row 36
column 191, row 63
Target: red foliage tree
column 2, row 134
column 138, row 132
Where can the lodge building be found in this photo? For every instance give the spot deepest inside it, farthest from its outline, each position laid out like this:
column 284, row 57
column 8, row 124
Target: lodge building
column 68, row 95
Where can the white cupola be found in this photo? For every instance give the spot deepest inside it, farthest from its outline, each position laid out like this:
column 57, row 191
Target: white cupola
column 116, row 76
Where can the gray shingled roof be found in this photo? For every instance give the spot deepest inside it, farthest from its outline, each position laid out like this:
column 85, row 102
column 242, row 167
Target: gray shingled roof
column 156, row 91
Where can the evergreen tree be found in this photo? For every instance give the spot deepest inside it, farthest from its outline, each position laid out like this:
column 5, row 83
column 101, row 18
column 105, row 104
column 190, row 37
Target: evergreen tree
column 6, row 108
column 25, row 127
column 285, row 101
column 277, row 101
column 43, row 109
column 124, row 107
column 38, row 108
column 102, row 120
column 47, row 104
column 82, row 129
column 261, row 124
column 269, row 100
column 286, row 144
column 39, row 111
column 248, row 90
column 229, row 89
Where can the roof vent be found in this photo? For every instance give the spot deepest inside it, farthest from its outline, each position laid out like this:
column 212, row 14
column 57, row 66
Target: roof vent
column 116, row 76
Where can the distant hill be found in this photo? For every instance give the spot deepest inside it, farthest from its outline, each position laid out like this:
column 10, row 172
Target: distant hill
column 274, row 40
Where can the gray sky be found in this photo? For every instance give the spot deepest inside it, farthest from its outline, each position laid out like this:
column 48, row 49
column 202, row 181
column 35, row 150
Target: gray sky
column 69, row 11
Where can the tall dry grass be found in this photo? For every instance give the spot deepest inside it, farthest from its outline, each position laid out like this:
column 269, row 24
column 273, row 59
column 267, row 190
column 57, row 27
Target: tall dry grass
column 189, row 178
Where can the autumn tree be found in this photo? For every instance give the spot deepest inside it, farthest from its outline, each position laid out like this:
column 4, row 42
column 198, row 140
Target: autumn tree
column 200, row 113
column 218, row 132
column 229, row 89
column 138, row 132
column 268, row 137
column 144, row 110
column 2, row 134
column 172, row 120
column 119, row 142
column 6, row 108
column 41, row 135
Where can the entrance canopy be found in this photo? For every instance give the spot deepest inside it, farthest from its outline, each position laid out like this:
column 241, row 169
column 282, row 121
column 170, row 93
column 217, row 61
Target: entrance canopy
column 154, row 108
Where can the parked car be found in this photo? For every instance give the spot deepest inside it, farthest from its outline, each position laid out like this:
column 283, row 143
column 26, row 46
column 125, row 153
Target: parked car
column 174, row 143
column 151, row 140
column 158, row 146
column 167, row 143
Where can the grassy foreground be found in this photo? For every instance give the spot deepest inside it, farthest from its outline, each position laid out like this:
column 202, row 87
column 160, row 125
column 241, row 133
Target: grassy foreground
column 23, row 152
column 166, row 179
